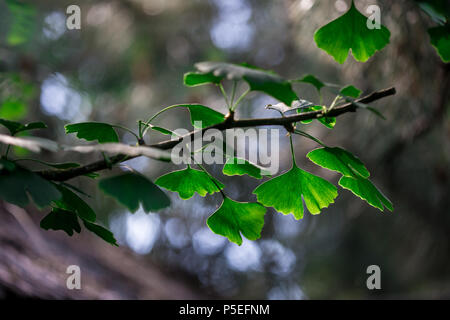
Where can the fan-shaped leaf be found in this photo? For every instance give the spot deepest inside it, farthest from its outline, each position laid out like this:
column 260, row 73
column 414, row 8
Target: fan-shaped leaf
column 193, row 79
column 285, row 192
column 258, row 79
column 237, row 166
column 189, row 181
column 59, row 219
column 350, row 31
column 440, row 39
column 70, row 201
column 90, row 131
column 312, row 80
column 16, row 127
column 207, row 116
column 367, row 191
column 16, row 182
column 340, row 160
column 350, row 91
column 132, row 189
column 234, row 218
column 102, row 232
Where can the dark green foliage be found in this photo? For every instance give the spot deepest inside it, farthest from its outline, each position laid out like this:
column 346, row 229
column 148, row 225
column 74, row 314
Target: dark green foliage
column 90, row 131
column 131, row 189
column 258, row 79
column 59, row 219
column 16, row 183
column 16, row 127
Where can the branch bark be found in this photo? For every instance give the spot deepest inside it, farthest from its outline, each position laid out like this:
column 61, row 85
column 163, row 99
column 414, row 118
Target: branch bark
column 63, row 175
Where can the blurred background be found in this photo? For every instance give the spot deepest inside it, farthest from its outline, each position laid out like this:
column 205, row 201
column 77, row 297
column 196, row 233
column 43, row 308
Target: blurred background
column 127, row 62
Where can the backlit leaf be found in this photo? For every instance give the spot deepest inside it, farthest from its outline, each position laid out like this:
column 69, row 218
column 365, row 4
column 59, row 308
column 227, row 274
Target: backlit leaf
column 207, row 116
column 235, row 218
column 285, row 192
column 340, row 160
column 350, row 91
column 350, row 31
column 237, row 166
column 367, row 191
column 187, row 182
column 193, row 79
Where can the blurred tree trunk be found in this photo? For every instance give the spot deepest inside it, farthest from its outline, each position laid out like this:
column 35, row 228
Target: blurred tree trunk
column 33, row 264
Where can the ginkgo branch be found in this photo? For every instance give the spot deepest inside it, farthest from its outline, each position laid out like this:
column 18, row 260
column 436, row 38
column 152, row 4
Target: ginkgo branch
column 63, row 175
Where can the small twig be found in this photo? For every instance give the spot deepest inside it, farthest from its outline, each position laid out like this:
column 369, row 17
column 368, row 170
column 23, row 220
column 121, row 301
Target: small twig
column 63, row 175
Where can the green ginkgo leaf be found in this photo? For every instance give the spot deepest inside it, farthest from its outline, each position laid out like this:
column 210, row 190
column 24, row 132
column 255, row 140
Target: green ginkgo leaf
column 285, row 192
column 258, row 79
column 59, row 219
column 162, row 130
column 131, row 189
column 239, row 167
column 312, row 80
column 90, row 131
column 234, row 218
column 207, row 116
column 101, row 232
column 350, row 31
column 17, row 182
column 350, row 91
column 16, row 127
column 328, row 122
column 340, row 160
column 440, row 40
column 70, row 201
column 367, row 191
column 193, row 79
column 189, row 181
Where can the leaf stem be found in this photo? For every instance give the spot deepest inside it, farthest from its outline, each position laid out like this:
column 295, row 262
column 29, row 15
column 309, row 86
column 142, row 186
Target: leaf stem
column 239, row 100
column 333, row 104
column 211, row 178
column 222, row 89
column 306, row 135
column 233, row 92
column 7, row 151
column 292, row 150
column 146, row 124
